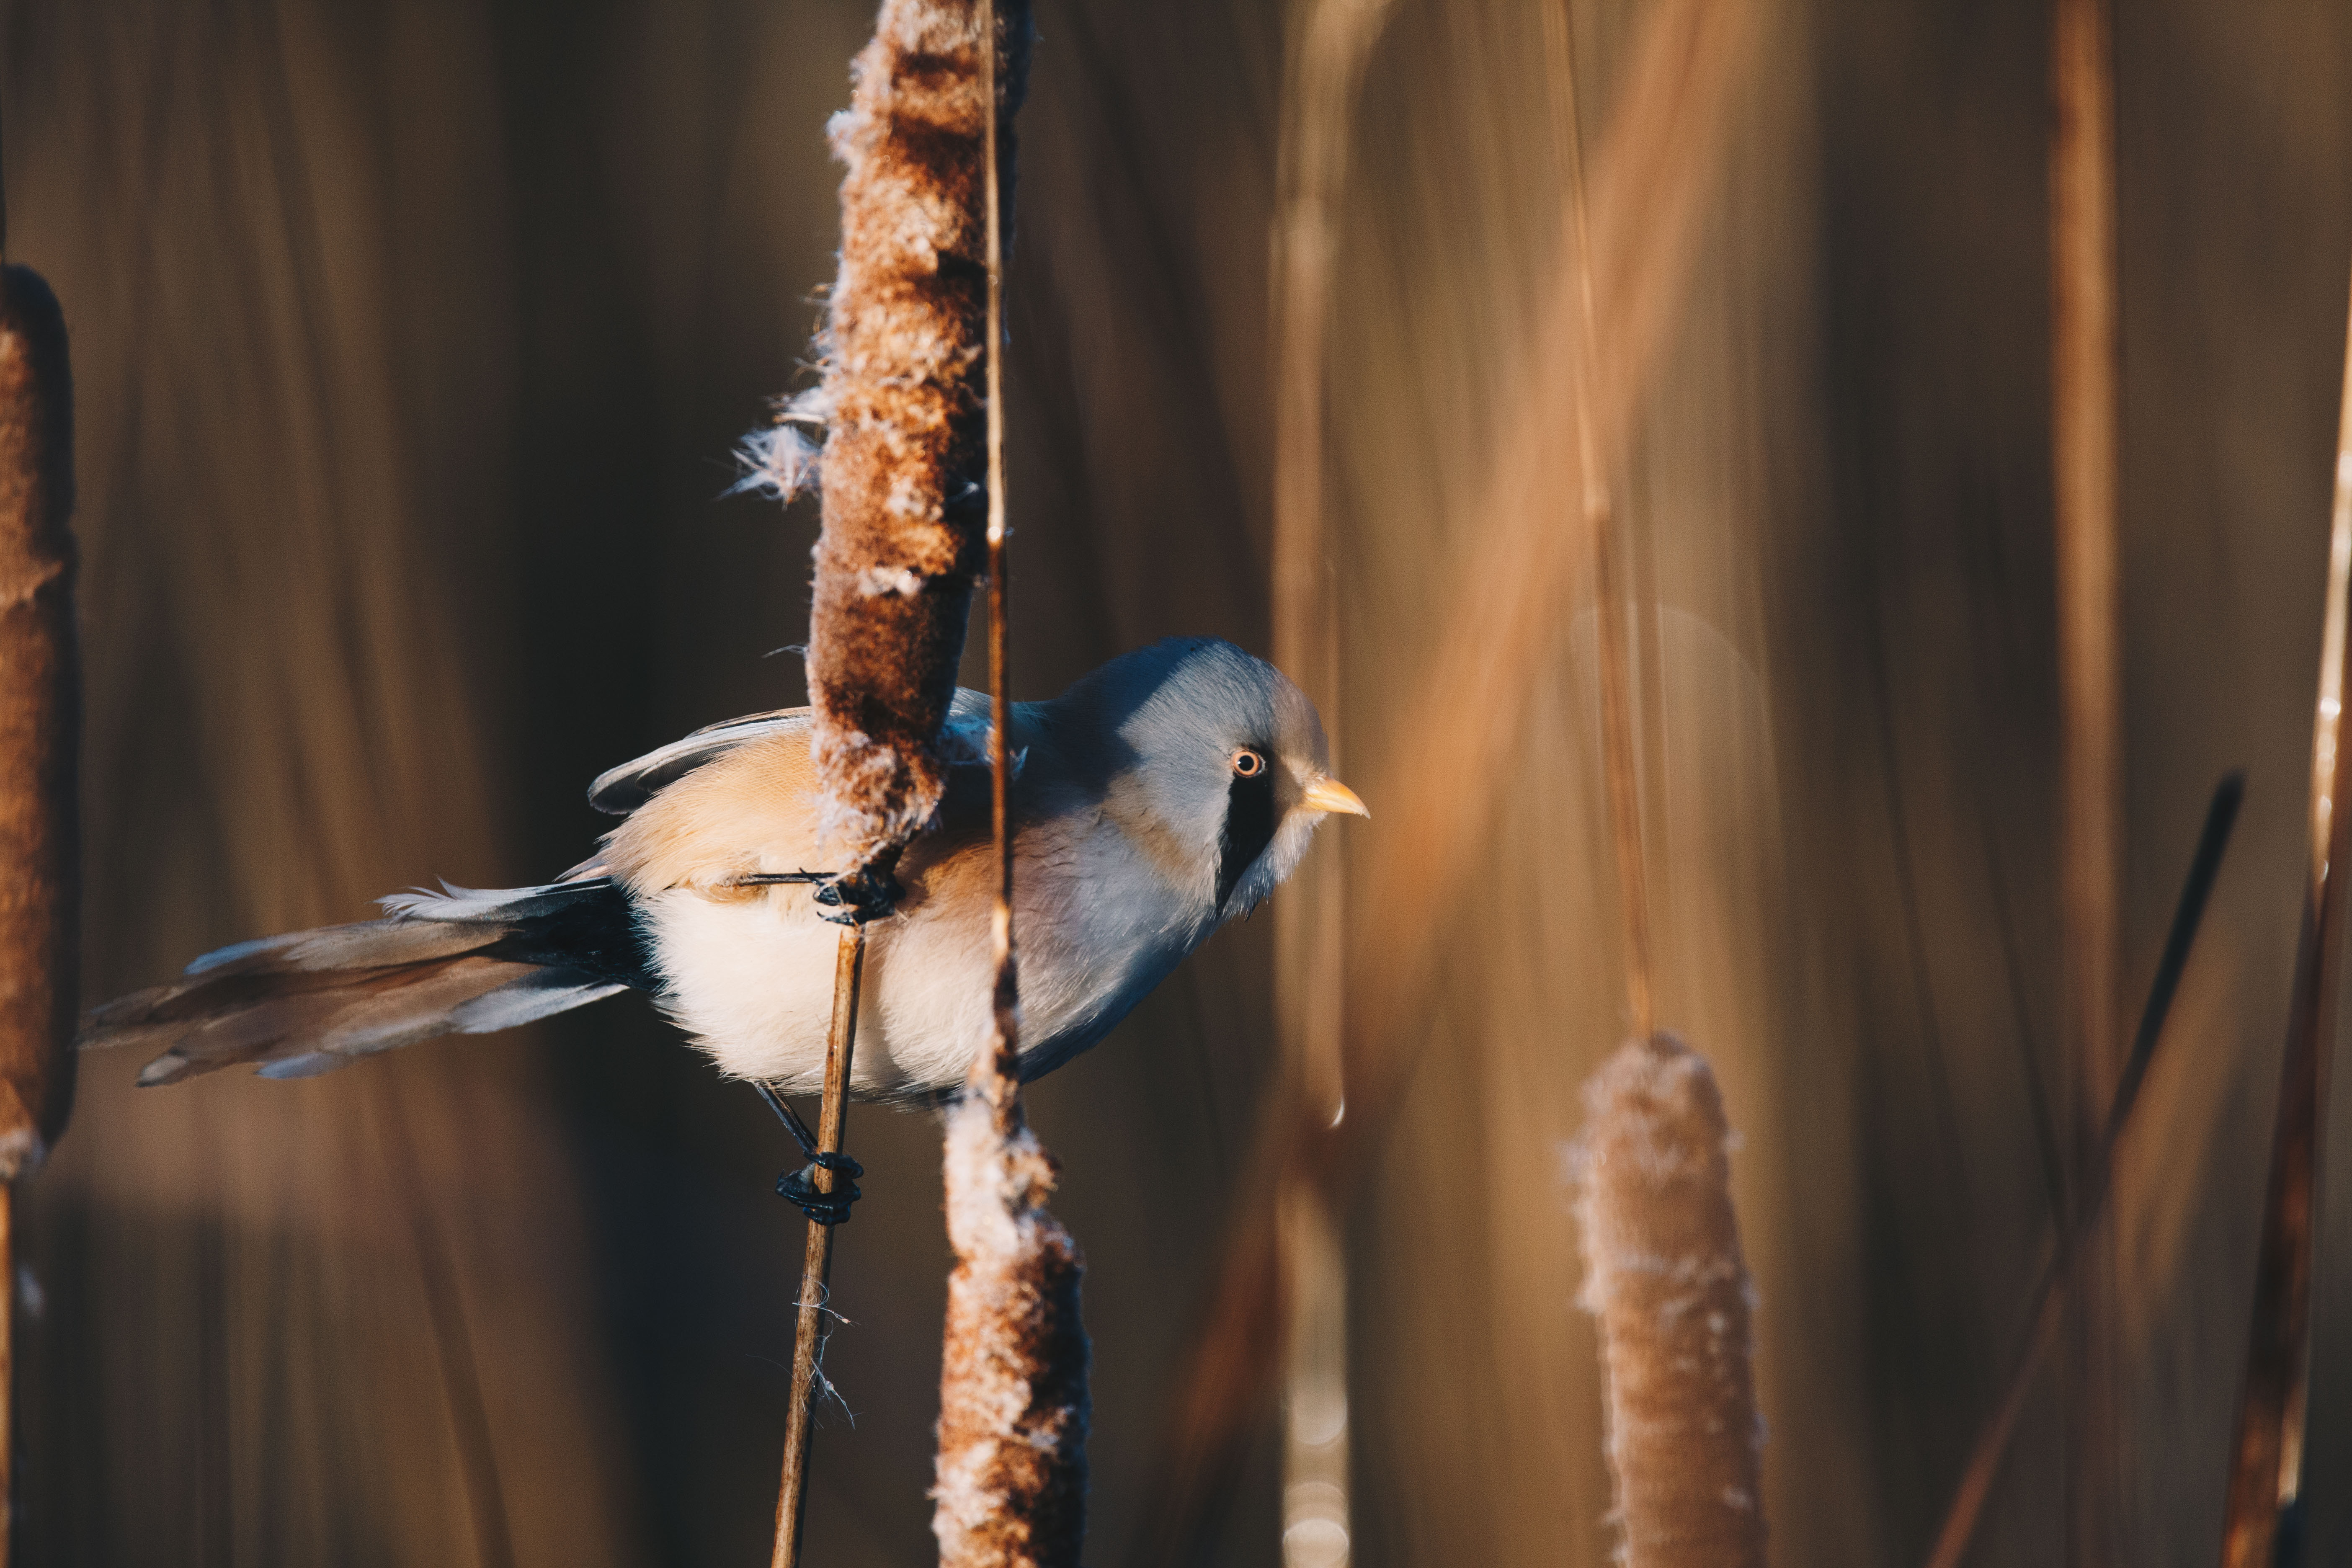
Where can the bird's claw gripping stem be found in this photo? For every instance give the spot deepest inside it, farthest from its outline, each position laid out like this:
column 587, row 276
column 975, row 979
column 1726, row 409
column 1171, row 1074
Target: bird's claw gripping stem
column 868, row 892
column 799, row 1188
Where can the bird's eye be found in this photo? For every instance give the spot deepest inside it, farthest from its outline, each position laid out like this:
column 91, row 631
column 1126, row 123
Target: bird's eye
column 1247, row 764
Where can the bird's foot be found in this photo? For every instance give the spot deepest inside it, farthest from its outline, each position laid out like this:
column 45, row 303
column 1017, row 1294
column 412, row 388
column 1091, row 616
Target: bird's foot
column 868, row 892
column 799, row 1188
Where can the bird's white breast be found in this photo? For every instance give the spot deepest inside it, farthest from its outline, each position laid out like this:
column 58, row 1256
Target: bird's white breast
column 751, row 974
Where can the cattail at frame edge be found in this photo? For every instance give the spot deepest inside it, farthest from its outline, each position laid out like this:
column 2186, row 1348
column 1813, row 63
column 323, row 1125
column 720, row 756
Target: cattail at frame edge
column 1665, row 1275
column 40, row 726
column 1011, row 1486
column 901, row 403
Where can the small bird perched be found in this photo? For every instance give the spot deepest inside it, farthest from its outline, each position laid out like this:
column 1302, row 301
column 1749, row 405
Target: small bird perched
column 1161, row 795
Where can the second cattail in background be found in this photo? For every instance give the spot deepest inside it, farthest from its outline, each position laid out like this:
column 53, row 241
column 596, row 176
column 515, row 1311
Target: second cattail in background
column 1665, row 1275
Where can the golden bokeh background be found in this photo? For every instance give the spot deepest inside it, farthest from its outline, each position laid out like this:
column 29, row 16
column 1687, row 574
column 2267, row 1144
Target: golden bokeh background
column 410, row 342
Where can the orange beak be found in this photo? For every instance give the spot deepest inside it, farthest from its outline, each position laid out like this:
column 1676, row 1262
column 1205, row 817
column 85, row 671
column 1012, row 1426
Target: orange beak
column 1329, row 794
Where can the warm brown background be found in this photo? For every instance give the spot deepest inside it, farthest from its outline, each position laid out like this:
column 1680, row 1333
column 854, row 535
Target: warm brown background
column 410, row 342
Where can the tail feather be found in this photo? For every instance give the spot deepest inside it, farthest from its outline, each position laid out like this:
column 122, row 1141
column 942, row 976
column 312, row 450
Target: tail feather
column 369, row 945
column 461, row 961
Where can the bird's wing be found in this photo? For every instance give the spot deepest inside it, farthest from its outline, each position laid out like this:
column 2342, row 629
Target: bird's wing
column 738, row 801
column 619, row 791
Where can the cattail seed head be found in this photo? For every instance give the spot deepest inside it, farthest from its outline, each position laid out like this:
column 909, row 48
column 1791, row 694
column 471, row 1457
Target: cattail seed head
column 1663, row 1273
column 1011, row 1486
column 41, row 721
column 904, row 398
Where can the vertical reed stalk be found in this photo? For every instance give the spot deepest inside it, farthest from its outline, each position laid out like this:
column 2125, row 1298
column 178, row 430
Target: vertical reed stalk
column 2083, row 437
column 816, row 1252
column 41, row 719
column 914, row 316
column 2047, row 1316
column 1618, row 762
column 1331, row 42
column 1011, row 1469
column 2266, row 1456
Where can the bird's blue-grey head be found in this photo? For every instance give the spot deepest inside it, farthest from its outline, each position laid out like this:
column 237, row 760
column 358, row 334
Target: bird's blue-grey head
column 1222, row 770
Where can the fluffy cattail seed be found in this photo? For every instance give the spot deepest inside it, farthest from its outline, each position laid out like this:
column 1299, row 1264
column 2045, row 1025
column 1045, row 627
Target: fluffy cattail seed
column 40, row 739
column 1011, row 1488
column 903, row 405
column 1663, row 1273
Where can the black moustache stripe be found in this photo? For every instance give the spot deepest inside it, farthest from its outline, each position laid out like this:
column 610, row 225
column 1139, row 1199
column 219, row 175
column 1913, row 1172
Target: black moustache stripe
column 1249, row 829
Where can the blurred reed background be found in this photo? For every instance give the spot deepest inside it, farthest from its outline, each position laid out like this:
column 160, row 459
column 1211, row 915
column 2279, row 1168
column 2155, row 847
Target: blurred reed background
column 410, row 342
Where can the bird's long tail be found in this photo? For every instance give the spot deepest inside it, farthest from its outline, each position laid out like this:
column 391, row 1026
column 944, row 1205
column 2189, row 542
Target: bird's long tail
column 458, row 962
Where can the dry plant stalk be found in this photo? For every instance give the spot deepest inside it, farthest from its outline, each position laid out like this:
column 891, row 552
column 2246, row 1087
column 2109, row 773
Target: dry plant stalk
column 40, row 749
column 1665, row 1275
column 1619, row 764
column 2047, row 1315
column 1010, row 1483
column 817, row 1249
column 1011, row 1486
column 1654, row 169
column 1329, row 51
column 1329, row 44
column 2083, row 436
column 2082, row 461
column 2266, row 1452
column 39, row 726
column 926, row 139
column 901, row 405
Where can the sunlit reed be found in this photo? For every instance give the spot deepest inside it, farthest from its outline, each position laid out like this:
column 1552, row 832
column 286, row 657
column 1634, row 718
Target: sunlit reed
column 41, row 752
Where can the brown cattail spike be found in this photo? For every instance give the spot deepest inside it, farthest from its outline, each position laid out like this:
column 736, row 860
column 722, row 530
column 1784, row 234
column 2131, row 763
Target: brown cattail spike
column 1665, row 1275
column 1012, row 1477
column 1011, row 1486
column 40, row 739
column 902, row 399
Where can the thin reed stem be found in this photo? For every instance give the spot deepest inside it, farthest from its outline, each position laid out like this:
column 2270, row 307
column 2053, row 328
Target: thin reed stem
column 1618, row 762
column 816, row 1251
column 40, row 745
column 2266, row 1453
column 1011, row 1469
column 1007, row 999
column 1332, row 42
column 2047, row 1313
column 40, row 723
column 1329, row 44
column 2083, row 435
column 906, row 423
